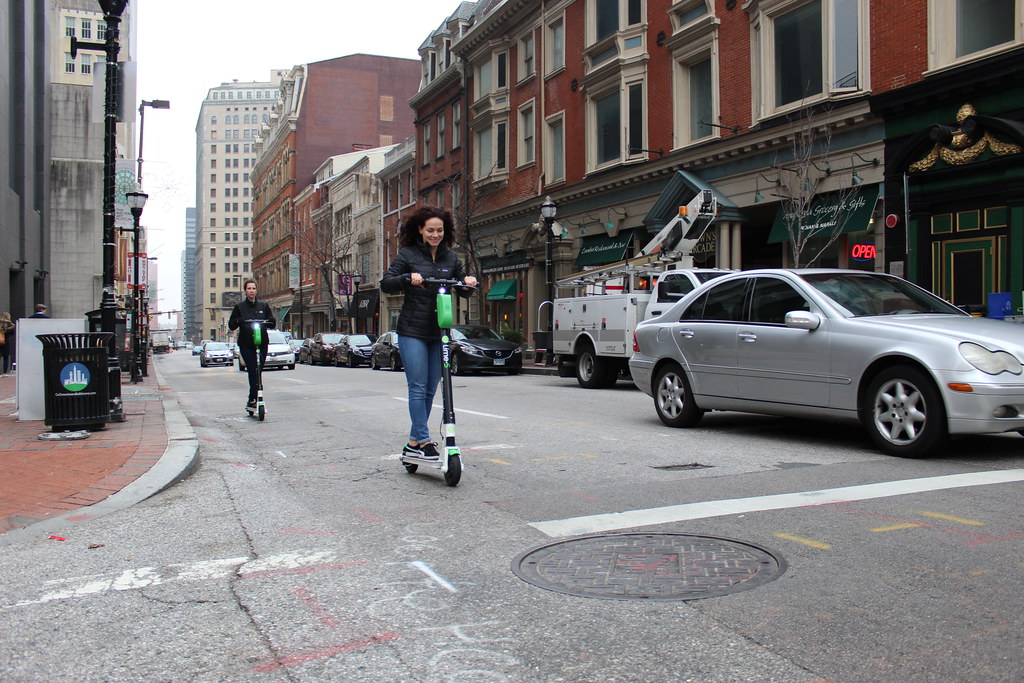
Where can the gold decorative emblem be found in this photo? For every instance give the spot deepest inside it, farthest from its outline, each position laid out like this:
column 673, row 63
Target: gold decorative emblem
column 963, row 149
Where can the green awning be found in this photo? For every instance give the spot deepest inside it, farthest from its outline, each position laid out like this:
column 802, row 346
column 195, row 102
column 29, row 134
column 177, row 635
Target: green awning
column 503, row 290
column 597, row 250
column 827, row 215
column 282, row 313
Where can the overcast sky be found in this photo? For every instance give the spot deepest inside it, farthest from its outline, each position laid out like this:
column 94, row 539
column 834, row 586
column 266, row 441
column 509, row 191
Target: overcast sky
column 186, row 47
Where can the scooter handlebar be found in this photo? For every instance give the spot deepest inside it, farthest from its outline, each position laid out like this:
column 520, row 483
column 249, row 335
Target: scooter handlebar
column 439, row 282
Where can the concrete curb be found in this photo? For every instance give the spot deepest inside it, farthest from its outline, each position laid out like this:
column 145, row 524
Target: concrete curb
column 180, row 459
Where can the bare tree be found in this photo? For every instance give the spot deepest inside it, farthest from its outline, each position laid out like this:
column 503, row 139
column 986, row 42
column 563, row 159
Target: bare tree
column 813, row 225
column 327, row 242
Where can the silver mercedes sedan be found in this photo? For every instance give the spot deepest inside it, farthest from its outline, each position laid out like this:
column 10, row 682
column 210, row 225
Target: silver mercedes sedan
column 835, row 344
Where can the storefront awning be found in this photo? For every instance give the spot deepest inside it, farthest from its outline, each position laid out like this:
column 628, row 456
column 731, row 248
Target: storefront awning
column 829, row 214
column 503, row 290
column 282, row 313
column 597, row 250
column 364, row 303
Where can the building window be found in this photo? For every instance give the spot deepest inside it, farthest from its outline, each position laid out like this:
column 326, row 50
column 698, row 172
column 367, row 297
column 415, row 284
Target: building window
column 608, row 129
column 526, row 57
column 426, row 142
column 86, row 29
column 554, row 54
column 101, row 31
column 213, row 252
column 69, row 63
column 526, row 134
column 440, row 135
column 808, row 52
column 86, row 64
column 213, row 297
column 554, row 149
column 456, row 125
column 213, row 191
column 69, row 27
column 213, row 207
column 213, row 267
column 695, row 99
column 961, row 30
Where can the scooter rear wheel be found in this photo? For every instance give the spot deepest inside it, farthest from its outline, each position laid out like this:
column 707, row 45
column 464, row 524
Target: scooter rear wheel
column 454, row 473
column 411, row 467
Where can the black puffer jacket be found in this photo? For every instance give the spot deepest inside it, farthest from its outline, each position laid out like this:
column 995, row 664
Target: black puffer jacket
column 245, row 313
column 418, row 317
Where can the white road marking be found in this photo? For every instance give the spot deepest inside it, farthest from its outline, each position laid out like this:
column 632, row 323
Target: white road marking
column 717, row 508
column 491, row 447
column 281, row 453
column 425, row 568
column 297, row 381
column 143, row 577
column 459, row 410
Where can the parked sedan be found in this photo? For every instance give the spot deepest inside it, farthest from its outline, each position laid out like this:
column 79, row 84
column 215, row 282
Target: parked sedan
column 836, row 344
column 279, row 353
column 384, row 353
column 302, row 353
column 215, row 353
column 477, row 347
column 353, row 350
column 321, row 349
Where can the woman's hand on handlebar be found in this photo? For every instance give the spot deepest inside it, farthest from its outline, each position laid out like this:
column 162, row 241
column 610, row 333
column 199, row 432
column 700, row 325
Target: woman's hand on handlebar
column 469, row 281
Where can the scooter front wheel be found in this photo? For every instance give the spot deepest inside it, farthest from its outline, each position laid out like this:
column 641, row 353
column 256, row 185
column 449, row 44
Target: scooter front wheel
column 454, row 473
column 262, row 412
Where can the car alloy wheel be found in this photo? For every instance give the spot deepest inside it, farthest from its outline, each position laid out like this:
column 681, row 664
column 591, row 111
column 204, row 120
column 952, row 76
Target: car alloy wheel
column 904, row 413
column 673, row 399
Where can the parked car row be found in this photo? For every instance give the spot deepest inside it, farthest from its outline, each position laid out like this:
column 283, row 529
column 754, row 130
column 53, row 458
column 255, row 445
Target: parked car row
column 475, row 348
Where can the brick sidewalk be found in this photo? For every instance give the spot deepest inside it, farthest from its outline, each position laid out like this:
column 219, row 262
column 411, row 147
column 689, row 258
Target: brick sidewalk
column 43, row 479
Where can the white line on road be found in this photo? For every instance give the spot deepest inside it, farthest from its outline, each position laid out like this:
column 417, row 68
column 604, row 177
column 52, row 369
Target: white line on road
column 143, row 577
column 718, row 508
column 425, row 568
column 459, row 410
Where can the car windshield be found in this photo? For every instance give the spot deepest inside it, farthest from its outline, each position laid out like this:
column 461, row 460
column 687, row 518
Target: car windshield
column 216, row 346
column 330, row 338
column 863, row 294
column 276, row 337
column 358, row 339
column 474, row 332
column 705, row 276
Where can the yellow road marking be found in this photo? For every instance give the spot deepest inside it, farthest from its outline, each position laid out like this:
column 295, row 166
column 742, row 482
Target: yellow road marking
column 498, row 462
column 894, row 527
column 951, row 518
column 805, row 541
column 589, row 455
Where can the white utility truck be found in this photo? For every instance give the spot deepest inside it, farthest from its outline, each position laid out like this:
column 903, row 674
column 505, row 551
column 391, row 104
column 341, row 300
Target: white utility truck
column 593, row 330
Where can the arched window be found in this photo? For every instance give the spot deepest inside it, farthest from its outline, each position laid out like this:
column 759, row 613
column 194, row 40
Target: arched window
column 213, row 120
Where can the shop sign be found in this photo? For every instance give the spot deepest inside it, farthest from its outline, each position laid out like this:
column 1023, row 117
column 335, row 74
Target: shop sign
column 517, row 260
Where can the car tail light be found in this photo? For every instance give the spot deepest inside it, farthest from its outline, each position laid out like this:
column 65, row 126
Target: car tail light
column 636, row 346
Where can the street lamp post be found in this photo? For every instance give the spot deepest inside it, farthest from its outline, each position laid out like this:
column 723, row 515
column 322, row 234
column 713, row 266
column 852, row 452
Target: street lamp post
column 155, row 104
column 112, row 11
column 136, row 203
column 547, row 211
column 144, row 318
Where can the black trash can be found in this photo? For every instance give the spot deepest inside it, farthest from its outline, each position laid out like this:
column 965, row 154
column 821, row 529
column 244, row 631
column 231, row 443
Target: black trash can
column 75, row 380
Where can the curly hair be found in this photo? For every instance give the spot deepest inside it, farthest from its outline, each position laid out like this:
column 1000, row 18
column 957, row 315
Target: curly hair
column 412, row 223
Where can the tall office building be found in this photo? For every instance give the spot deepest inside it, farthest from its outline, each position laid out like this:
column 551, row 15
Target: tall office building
column 188, row 277
column 226, row 131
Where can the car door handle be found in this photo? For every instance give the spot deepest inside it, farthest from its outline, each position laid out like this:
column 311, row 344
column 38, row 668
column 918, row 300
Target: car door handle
column 686, row 333
column 747, row 336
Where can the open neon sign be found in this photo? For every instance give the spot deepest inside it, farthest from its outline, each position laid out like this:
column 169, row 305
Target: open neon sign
column 863, row 252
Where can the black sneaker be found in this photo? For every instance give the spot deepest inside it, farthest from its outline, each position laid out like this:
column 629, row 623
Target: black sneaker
column 429, row 450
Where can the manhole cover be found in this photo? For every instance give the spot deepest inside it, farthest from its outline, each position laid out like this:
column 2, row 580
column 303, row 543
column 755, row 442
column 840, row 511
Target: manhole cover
column 648, row 566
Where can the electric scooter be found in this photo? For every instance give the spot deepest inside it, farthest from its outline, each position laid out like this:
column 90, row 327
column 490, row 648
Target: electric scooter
column 260, row 411
column 450, row 462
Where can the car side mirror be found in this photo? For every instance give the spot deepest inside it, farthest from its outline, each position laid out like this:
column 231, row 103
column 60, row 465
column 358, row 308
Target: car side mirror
column 803, row 320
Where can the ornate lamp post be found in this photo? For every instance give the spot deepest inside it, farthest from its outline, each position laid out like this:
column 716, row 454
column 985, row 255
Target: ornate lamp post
column 547, row 211
column 136, row 202
column 112, row 11
column 155, row 104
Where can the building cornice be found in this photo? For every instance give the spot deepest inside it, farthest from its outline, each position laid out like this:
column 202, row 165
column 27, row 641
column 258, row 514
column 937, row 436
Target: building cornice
column 448, row 78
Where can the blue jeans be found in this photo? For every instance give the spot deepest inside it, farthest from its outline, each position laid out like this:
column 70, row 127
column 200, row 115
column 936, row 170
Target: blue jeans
column 248, row 355
column 422, row 361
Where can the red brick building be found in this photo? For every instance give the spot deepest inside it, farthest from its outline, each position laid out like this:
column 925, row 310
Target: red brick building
column 326, row 108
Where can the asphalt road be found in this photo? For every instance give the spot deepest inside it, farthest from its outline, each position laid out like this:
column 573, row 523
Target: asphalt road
column 302, row 550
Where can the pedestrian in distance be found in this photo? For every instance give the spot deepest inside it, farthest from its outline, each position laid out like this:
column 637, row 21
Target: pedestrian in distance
column 6, row 340
column 40, row 312
column 246, row 312
column 426, row 241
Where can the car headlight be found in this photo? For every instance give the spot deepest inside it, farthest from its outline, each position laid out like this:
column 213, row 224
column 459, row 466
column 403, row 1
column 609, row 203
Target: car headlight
column 470, row 349
column 990, row 362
